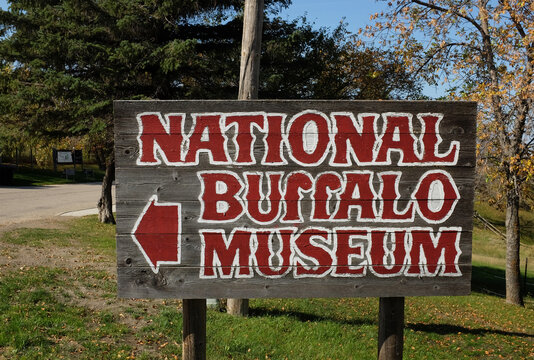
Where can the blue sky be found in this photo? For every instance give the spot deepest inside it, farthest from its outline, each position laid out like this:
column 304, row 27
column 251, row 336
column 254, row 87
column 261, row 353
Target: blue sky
column 329, row 13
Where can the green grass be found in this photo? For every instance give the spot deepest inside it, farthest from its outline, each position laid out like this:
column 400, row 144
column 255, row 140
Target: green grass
column 49, row 312
column 24, row 176
column 86, row 232
column 38, row 323
column 497, row 218
column 489, row 251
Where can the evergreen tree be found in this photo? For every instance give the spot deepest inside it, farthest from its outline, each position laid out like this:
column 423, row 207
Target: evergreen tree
column 63, row 62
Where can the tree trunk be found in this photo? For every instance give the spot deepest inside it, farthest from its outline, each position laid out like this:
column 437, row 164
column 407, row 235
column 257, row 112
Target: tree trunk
column 99, row 161
column 513, row 279
column 105, row 204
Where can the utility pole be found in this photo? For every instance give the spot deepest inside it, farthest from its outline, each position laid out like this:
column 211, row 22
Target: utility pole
column 249, row 74
column 249, row 78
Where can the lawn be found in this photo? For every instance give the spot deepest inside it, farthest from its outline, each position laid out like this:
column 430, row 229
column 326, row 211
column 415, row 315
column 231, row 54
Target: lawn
column 58, row 300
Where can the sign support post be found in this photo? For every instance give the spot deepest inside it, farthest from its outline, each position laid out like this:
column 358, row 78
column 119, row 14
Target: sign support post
column 54, row 159
column 194, row 329
column 249, row 78
column 390, row 328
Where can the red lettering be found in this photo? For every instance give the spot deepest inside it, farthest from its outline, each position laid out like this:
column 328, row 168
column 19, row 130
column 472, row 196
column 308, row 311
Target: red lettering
column 436, row 196
column 360, row 134
column 254, row 197
column 384, row 261
column 389, row 195
column 226, row 255
column 156, row 134
column 207, row 136
column 430, row 253
column 265, row 253
column 309, row 138
column 431, row 141
column 325, row 184
column 346, row 251
column 307, row 251
column 357, row 193
column 219, row 197
column 244, row 138
column 315, row 252
column 273, row 141
column 296, row 183
column 398, row 136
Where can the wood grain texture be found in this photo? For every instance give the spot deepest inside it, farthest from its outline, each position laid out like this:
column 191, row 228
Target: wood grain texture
column 138, row 185
column 391, row 328
column 194, row 329
column 249, row 71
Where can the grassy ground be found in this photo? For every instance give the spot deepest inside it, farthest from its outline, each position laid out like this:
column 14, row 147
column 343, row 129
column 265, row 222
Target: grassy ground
column 58, row 300
column 25, row 176
column 489, row 250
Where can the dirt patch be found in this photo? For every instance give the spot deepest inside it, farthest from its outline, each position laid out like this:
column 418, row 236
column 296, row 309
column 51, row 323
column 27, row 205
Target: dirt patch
column 69, row 257
column 42, row 223
column 88, row 278
column 17, row 256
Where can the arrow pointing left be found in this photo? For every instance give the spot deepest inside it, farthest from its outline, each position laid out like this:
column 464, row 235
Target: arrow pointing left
column 157, row 233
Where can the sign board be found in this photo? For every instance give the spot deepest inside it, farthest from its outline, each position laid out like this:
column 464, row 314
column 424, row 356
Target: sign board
column 67, row 156
column 64, row 157
column 294, row 198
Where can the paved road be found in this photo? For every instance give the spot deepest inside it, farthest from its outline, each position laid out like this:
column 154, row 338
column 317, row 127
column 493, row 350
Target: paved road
column 21, row 203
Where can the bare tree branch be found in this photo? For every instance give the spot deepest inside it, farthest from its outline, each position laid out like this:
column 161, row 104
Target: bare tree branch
column 445, row 10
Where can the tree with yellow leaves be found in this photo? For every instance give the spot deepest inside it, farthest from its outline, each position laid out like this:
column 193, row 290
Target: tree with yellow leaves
column 486, row 49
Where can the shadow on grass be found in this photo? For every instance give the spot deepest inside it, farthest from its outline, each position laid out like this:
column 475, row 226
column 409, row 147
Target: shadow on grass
column 446, row 329
column 304, row 317
column 490, row 280
column 25, row 176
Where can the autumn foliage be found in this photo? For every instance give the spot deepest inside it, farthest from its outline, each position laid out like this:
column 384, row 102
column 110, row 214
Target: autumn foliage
column 484, row 51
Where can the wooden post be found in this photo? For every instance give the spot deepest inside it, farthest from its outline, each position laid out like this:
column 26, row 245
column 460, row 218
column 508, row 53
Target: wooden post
column 194, row 329
column 237, row 307
column 54, row 159
column 249, row 74
column 249, row 78
column 391, row 328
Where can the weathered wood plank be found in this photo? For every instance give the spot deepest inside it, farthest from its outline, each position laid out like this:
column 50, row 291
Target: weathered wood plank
column 143, row 283
column 123, row 108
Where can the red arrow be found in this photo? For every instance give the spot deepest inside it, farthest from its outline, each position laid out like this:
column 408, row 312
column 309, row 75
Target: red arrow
column 157, row 233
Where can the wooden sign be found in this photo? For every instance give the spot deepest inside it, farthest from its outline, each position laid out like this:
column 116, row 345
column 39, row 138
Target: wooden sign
column 294, row 198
